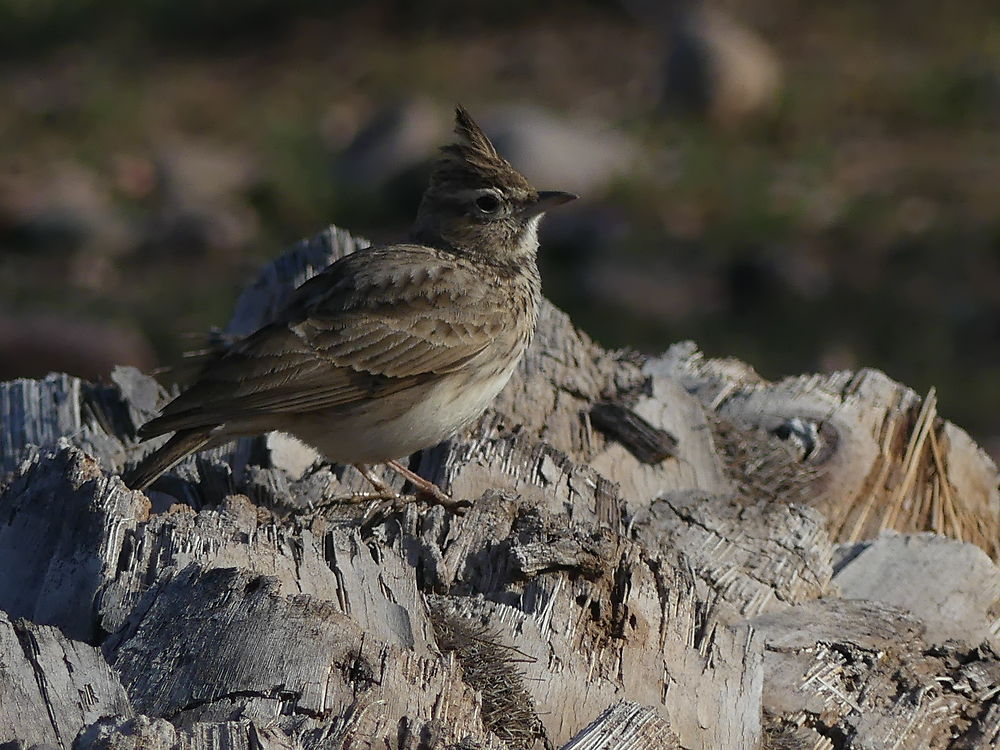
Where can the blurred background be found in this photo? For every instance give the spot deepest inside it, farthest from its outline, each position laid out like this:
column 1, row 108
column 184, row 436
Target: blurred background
column 804, row 186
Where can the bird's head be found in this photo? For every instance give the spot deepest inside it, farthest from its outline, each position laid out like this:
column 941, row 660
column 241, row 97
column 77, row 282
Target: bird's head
column 477, row 203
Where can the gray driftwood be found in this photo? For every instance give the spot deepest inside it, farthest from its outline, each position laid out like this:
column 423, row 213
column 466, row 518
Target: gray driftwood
column 51, row 686
column 660, row 552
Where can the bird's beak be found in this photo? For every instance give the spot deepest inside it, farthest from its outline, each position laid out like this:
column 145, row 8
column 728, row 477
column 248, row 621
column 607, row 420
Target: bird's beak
column 547, row 199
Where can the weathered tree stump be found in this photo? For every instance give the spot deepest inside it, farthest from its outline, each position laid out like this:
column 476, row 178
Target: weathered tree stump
column 661, row 552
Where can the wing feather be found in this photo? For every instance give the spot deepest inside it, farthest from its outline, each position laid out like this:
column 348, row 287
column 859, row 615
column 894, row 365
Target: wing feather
column 372, row 324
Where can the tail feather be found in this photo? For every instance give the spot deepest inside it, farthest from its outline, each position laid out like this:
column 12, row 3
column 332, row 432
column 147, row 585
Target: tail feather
column 182, row 444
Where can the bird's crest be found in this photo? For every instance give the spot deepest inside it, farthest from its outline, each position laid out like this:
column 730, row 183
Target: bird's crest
column 471, row 135
column 473, row 161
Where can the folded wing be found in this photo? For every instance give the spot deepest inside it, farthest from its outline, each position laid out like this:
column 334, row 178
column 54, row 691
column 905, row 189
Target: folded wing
column 372, row 324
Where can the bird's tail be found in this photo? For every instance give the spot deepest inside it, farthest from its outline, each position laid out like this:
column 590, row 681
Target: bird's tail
column 183, row 443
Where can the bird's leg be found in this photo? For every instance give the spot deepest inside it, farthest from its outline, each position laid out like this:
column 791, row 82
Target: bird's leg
column 427, row 487
column 381, row 487
column 383, row 496
column 396, row 499
column 382, row 491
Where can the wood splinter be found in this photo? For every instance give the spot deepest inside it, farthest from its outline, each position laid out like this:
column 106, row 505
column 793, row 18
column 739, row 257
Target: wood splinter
column 649, row 444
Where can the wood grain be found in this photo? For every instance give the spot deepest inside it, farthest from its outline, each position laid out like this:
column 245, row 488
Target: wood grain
column 734, row 594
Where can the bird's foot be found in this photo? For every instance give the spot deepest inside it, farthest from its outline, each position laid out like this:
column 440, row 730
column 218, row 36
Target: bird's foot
column 429, row 490
column 385, row 499
column 380, row 503
column 426, row 490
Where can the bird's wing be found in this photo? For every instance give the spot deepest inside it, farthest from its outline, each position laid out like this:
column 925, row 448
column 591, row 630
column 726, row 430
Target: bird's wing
column 388, row 320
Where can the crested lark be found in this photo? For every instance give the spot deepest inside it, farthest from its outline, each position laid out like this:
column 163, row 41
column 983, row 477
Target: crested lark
column 390, row 349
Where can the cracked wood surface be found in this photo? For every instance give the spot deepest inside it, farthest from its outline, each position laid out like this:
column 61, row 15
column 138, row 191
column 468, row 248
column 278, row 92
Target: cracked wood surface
column 874, row 455
column 626, row 726
column 748, row 558
column 222, row 644
column 862, row 674
column 629, row 598
column 51, row 686
column 599, row 618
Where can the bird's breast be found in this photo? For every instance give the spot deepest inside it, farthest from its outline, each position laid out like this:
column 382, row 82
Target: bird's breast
column 404, row 422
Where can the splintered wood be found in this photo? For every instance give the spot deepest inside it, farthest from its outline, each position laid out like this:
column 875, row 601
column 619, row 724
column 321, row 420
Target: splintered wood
column 873, row 455
column 660, row 552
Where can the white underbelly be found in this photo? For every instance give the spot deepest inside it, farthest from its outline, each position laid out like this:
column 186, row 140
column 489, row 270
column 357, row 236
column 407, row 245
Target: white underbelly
column 400, row 424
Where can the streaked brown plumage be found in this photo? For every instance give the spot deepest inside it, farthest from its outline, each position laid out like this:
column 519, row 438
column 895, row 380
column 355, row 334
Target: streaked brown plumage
column 390, row 349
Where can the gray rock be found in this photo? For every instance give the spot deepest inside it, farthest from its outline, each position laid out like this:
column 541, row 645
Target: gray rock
column 562, row 152
column 68, row 209
column 399, row 137
column 719, row 68
column 953, row 587
column 200, row 199
column 553, row 151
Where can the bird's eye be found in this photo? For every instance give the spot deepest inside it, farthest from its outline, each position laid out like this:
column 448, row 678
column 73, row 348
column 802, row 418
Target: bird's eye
column 487, row 203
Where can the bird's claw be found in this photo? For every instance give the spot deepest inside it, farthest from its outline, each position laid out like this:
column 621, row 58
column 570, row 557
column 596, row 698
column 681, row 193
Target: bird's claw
column 458, row 507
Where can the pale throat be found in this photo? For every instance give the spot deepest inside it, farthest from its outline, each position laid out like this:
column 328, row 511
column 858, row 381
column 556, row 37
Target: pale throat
column 527, row 240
